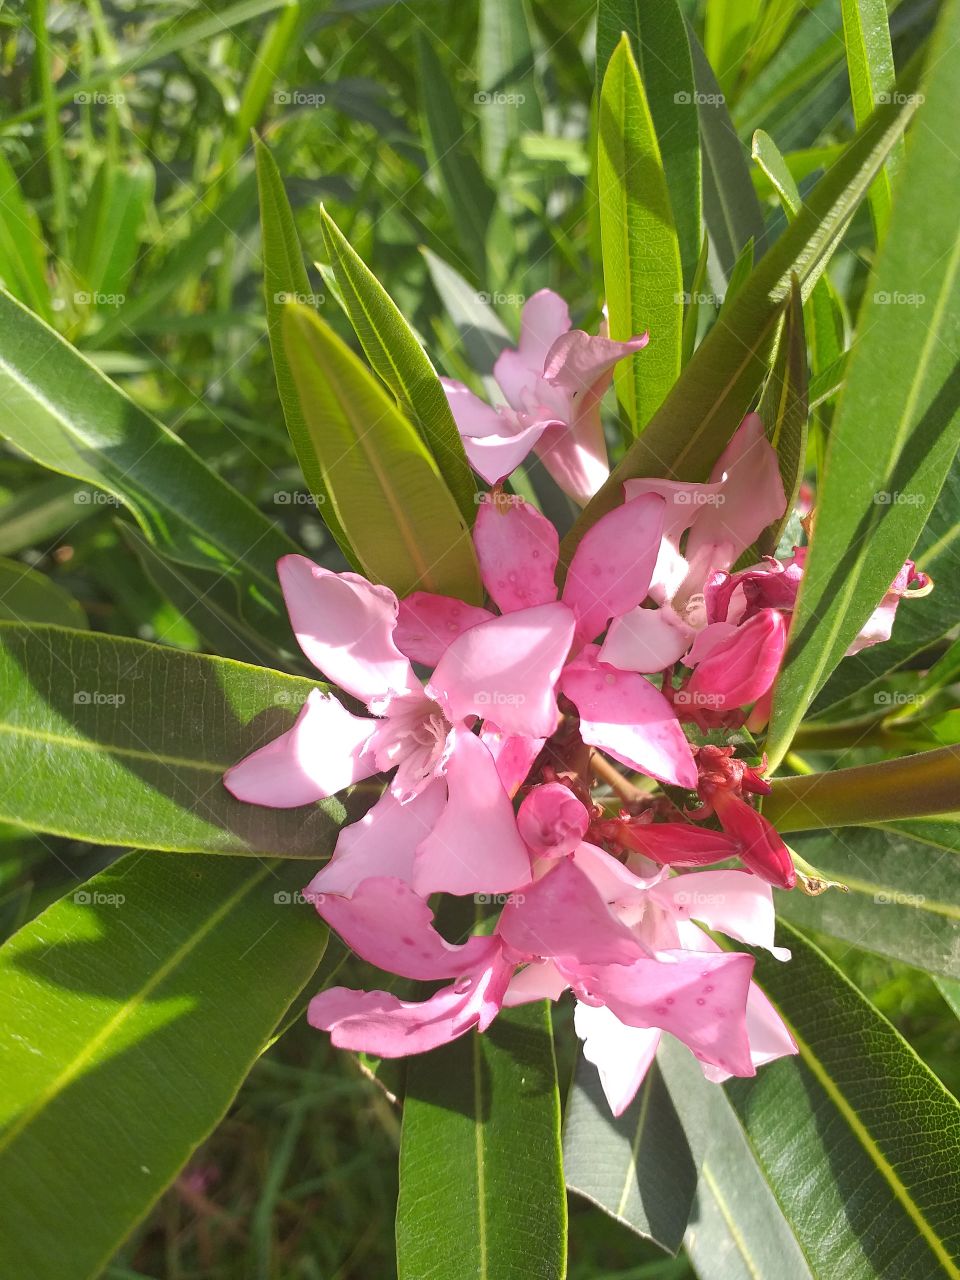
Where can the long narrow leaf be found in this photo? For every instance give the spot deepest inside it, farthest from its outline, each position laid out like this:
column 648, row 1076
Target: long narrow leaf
column 641, row 256
column 125, row 1041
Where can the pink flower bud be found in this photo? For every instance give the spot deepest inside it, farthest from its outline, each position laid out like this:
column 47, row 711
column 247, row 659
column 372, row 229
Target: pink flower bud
column 740, row 668
column 678, row 844
column 552, row 821
column 760, row 846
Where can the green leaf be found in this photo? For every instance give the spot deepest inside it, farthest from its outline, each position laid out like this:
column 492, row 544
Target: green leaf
column 856, row 1137
column 386, row 489
column 481, row 1178
column 641, row 1167
column 284, row 279
column 730, row 207
column 38, row 513
column 641, row 256
column 783, row 411
column 510, row 105
column 729, row 26
column 396, row 355
column 874, row 499
column 133, row 1009
column 62, row 412
column 902, row 898
column 23, row 251
column 662, row 51
column 920, row 623
column 709, row 399
column 824, row 313
column 911, row 786
column 866, row 37
column 481, row 330
column 125, row 743
column 197, row 599
column 469, row 199
column 29, row 596
column 108, row 234
column 737, row 1229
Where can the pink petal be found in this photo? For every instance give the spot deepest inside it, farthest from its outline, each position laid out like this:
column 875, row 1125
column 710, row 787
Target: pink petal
column 768, row 1034
column 325, row 750
column 646, row 640
column 428, row 623
column 378, row 1023
column 577, row 361
column 539, row 980
column 544, row 318
column 623, row 714
column 701, row 999
column 383, row 843
column 552, row 821
column 562, row 915
column 611, row 569
column 517, row 549
column 474, row 846
column 752, row 491
column 621, row 1054
column 345, row 627
column 507, row 669
column 473, row 416
column 732, row 902
column 513, row 754
column 576, row 455
column 389, row 925
column 494, row 458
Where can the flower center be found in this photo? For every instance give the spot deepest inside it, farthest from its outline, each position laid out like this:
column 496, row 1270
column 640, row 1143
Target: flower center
column 412, row 738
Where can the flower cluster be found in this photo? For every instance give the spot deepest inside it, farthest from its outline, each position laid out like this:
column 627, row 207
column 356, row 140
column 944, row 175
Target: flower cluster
column 492, row 756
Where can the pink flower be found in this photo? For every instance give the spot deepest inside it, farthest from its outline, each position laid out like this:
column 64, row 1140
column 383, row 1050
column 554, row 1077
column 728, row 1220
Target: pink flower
column 345, row 625
column 625, row 944
column 553, row 384
column 620, row 712
column 723, row 779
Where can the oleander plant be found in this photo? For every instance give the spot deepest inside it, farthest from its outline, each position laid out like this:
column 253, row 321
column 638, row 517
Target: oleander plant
column 479, row 640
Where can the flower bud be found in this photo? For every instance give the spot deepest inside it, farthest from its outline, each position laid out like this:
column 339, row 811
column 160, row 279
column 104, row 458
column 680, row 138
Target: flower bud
column 552, row 821
column 741, row 667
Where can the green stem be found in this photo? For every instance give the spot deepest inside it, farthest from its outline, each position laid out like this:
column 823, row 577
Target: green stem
column 909, row 787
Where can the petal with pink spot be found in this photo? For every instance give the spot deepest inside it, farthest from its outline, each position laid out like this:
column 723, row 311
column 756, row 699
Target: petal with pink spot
column 517, row 549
